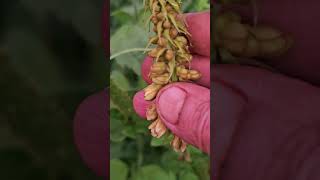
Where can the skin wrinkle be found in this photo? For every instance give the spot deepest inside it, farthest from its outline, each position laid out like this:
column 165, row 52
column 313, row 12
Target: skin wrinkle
column 204, row 112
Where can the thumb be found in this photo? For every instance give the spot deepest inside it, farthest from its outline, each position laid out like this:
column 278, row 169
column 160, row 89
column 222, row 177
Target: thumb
column 185, row 110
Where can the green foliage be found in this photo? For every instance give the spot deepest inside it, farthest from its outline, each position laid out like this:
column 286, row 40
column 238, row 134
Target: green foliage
column 132, row 147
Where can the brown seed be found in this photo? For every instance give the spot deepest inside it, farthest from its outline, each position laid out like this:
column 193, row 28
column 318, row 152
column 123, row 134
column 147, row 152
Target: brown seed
column 167, row 24
column 151, row 91
column 182, row 73
column 169, row 7
column 160, row 128
column 193, row 75
column 162, row 42
column 175, row 143
column 162, row 79
column 183, row 146
column 158, row 68
column 153, row 53
column 160, row 16
column 154, row 20
column 157, row 8
column 153, row 124
column 182, row 39
column 173, row 33
column 151, row 113
column 169, row 54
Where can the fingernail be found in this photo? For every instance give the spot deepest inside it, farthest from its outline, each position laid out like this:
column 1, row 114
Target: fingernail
column 170, row 102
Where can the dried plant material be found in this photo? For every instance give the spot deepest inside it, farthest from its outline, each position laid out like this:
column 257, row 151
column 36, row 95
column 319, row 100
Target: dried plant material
column 243, row 40
column 151, row 113
column 151, row 91
column 171, row 57
column 178, row 144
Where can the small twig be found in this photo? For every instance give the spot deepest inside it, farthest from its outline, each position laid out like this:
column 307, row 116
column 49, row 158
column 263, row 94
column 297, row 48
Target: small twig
column 129, row 51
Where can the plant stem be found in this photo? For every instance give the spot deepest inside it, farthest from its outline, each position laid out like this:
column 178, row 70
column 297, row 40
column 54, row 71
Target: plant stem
column 128, row 51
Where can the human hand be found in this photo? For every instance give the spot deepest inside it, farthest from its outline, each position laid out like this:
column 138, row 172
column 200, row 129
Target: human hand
column 185, row 107
column 265, row 123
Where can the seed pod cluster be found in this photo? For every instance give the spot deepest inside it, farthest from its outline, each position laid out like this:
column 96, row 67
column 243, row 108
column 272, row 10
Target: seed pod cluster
column 171, row 59
column 243, row 40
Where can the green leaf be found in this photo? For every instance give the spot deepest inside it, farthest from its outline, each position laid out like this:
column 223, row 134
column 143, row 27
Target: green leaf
column 116, row 126
column 163, row 141
column 129, row 131
column 153, row 172
column 127, row 37
column 188, row 176
column 120, row 80
column 118, row 170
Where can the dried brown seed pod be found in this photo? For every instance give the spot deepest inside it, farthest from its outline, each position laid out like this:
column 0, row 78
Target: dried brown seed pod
column 169, row 54
column 193, row 75
column 162, row 79
column 167, row 24
column 160, row 16
column 162, row 42
column 151, row 113
column 154, row 20
column 153, row 53
column 158, row 68
column 151, row 91
column 173, row 33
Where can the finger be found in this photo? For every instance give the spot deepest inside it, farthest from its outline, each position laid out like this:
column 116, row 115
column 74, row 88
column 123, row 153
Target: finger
column 185, row 110
column 139, row 104
column 199, row 28
column 240, row 89
column 199, row 63
column 302, row 59
column 91, row 132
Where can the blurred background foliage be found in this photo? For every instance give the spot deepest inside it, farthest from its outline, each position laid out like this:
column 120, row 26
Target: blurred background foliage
column 135, row 155
column 51, row 58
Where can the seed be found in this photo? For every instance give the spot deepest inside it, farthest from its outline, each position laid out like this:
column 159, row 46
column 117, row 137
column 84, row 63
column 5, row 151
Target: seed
column 156, row 8
column 182, row 39
column 154, row 123
column 162, row 42
column 173, row 33
column 151, row 113
column 154, row 20
column 158, row 68
column 183, row 146
column 167, row 24
column 153, row 53
column 169, row 7
column 161, row 80
column 193, row 75
column 151, row 91
column 169, row 54
column 160, row 16
column 176, row 143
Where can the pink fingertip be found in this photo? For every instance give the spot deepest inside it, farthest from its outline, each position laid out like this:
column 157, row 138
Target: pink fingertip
column 145, row 69
column 140, row 105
